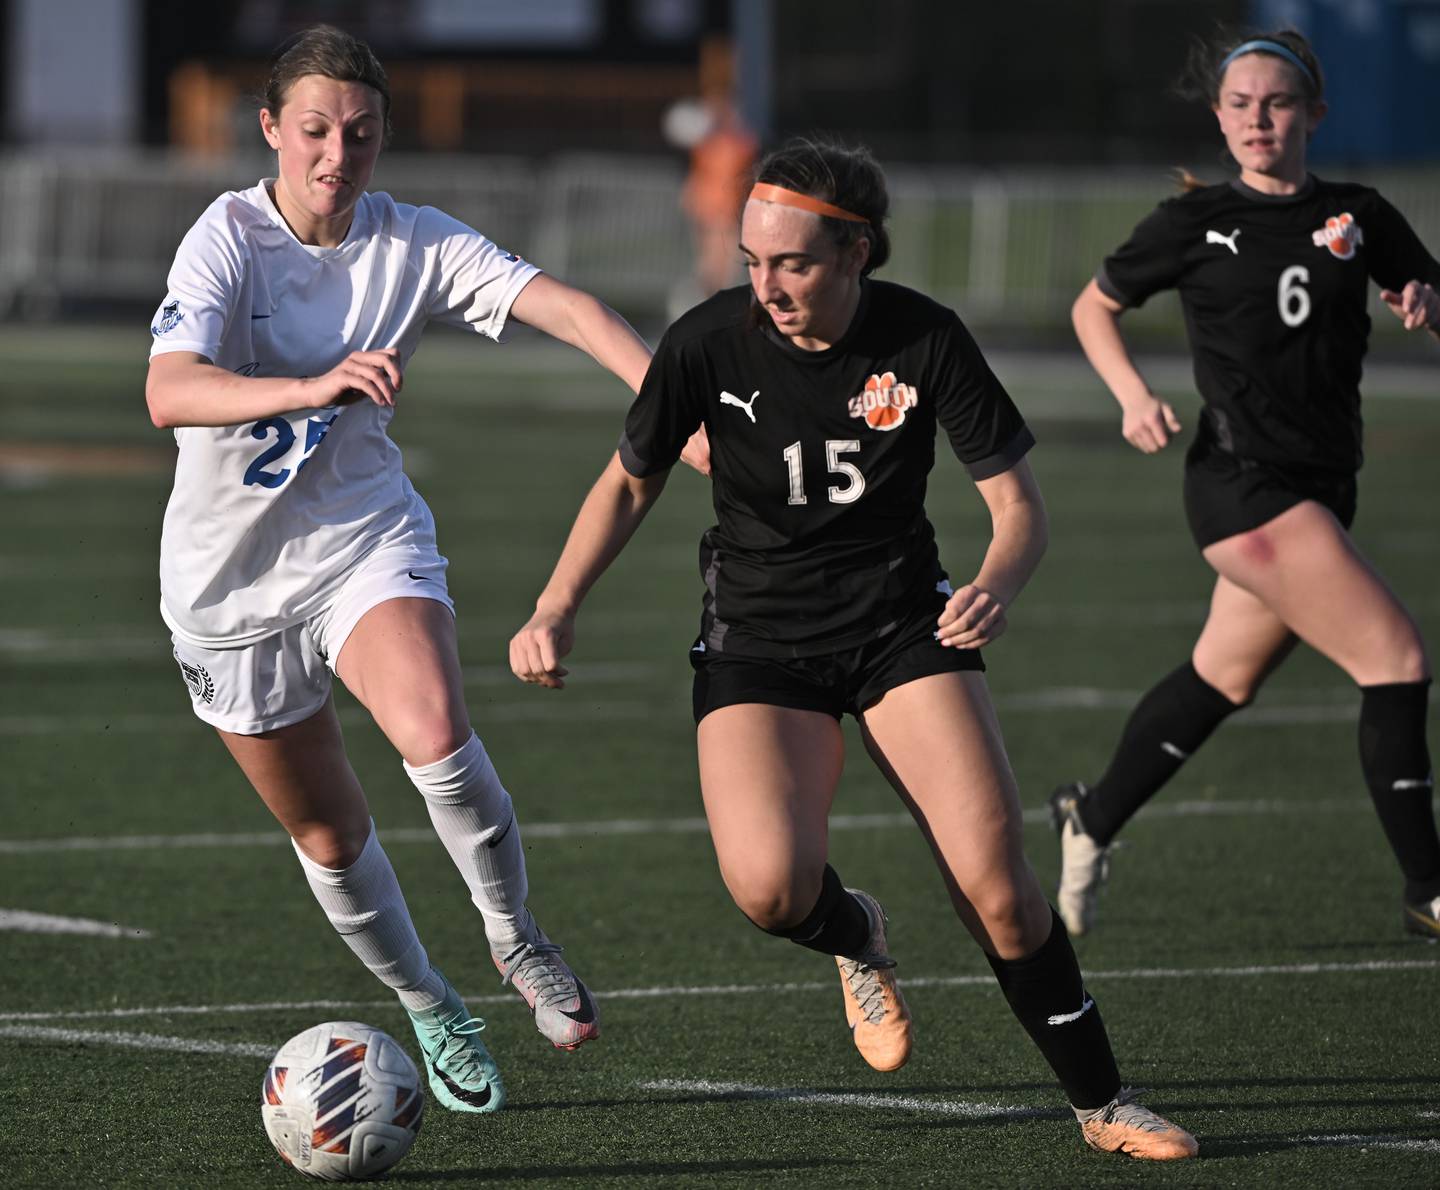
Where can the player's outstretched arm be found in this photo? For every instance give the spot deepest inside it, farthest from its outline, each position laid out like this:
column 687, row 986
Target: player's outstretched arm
column 584, row 321
column 975, row 614
column 607, row 520
column 576, row 317
column 1147, row 421
column 183, row 388
column 1417, row 306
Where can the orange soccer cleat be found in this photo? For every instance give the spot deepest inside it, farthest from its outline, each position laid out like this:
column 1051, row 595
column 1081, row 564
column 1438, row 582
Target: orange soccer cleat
column 1123, row 1126
column 874, row 1006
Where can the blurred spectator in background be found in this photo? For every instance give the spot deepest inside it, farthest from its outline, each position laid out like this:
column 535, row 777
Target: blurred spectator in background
column 722, row 159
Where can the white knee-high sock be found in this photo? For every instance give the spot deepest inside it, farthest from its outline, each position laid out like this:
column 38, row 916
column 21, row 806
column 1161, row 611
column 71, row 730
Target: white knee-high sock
column 367, row 909
column 475, row 819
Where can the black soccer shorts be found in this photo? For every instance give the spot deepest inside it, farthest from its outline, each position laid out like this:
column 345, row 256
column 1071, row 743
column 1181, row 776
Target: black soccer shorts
column 833, row 683
column 1226, row 495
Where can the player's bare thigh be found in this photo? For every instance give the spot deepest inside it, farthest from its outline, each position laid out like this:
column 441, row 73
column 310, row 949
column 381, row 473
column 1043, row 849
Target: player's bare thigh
column 304, row 778
column 1241, row 644
column 402, row 662
column 768, row 776
column 938, row 742
column 1305, row 568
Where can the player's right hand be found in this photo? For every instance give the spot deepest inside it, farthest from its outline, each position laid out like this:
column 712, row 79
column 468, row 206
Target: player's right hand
column 1148, row 424
column 536, row 650
column 360, row 376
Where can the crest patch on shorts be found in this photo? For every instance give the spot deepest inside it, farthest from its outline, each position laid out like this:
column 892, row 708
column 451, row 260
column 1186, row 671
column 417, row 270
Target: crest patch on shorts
column 197, row 677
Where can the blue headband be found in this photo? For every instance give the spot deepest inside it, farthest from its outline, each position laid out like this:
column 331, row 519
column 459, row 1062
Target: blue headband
column 1267, row 47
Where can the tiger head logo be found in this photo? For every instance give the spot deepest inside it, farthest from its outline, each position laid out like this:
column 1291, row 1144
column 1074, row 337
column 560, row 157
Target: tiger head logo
column 884, row 401
column 1341, row 234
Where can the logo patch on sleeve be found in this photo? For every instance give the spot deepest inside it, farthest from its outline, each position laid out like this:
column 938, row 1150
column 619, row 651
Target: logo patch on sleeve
column 884, row 401
column 1341, row 234
column 170, row 317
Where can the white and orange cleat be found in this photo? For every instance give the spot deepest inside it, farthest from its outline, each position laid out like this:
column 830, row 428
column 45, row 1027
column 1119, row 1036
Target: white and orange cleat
column 878, row 1016
column 1124, row 1126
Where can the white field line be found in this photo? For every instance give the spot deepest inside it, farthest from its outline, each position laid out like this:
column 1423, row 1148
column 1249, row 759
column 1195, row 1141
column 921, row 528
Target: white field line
column 1348, row 1140
column 583, row 706
column 1262, row 807
column 25, row 922
column 943, row 1107
column 138, row 1041
column 825, row 987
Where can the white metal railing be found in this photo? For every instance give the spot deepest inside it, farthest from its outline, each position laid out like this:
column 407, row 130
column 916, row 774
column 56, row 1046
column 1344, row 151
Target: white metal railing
column 1008, row 248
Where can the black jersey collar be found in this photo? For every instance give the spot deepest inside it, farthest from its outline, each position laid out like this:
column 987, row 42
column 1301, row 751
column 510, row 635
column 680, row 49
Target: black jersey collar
column 1306, row 189
column 837, row 348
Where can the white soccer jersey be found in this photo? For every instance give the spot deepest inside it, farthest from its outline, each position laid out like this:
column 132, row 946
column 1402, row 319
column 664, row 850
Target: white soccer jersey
column 266, row 517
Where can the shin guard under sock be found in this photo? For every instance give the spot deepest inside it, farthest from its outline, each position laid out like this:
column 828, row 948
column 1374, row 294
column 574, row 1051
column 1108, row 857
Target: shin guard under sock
column 475, row 819
column 1047, row 995
column 1168, row 724
column 364, row 904
column 1396, row 764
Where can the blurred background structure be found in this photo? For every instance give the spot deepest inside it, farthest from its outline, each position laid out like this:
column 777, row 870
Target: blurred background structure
column 1023, row 140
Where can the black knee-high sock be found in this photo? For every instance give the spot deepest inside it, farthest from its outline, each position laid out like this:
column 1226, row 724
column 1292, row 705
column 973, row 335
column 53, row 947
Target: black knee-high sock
column 1047, row 995
column 837, row 925
column 1396, row 764
column 1174, row 718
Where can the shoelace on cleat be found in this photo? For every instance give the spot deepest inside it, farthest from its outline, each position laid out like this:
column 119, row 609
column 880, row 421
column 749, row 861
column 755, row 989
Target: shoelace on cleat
column 1125, row 1111
column 549, row 977
column 456, row 1052
column 863, row 979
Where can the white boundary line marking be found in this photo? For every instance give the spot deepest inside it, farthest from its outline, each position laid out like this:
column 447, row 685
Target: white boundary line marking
column 1352, row 1140
column 26, row 922
column 1258, row 807
column 139, row 1041
column 1370, row 967
column 944, row 1107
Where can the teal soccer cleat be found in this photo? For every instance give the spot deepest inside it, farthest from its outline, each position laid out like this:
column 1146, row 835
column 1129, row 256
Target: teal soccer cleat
column 463, row 1075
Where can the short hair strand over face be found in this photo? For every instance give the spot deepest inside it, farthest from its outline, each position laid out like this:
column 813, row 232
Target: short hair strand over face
column 849, row 178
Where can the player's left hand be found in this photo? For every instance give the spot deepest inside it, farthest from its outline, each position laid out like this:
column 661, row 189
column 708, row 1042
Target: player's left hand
column 1417, row 306
column 697, row 451
column 536, row 650
column 972, row 617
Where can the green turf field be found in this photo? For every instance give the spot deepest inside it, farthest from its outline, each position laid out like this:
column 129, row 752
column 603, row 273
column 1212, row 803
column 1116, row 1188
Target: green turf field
column 1250, row 962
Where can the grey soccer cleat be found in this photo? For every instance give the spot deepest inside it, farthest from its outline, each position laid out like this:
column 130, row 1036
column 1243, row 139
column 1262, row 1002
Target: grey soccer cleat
column 563, row 1008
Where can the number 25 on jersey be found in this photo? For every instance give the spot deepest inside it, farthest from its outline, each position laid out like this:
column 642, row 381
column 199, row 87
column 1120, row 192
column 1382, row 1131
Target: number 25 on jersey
column 315, row 430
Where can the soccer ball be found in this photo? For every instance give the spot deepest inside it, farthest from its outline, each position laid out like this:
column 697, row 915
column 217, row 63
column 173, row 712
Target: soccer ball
column 342, row 1101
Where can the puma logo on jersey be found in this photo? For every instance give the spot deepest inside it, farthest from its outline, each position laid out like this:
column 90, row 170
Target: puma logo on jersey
column 1341, row 234
column 883, row 402
column 1214, row 237
column 732, row 399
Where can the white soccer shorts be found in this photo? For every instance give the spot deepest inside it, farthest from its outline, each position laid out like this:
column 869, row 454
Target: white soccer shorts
column 286, row 677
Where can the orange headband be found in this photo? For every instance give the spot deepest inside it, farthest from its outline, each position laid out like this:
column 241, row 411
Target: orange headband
column 766, row 192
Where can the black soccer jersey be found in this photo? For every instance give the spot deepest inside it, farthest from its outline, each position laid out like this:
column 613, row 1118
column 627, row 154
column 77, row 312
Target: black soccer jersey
column 1274, row 292
column 819, row 462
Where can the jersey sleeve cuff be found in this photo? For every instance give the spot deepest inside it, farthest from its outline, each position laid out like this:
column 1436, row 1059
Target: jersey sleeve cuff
column 497, row 326
column 1003, row 459
column 1110, row 290
column 634, row 464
